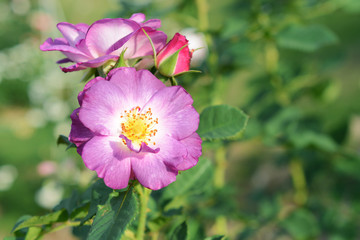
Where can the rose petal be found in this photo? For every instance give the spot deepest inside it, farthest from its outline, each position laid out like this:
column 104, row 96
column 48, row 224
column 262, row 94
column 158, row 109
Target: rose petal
column 172, row 106
column 183, row 62
column 82, row 27
column 59, row 44
column 152, row 172
column 108, row 157
column 138, row 17
column 72, row 68
column 172, row 152
column 102, row 106
column 177, row 42
column 193, row 146
column 139, row 45
column 64, row 60
column 87, row 86
column 152, row 23
column 139, row 86
column 103, row 34
column 142, row 148
column 71, row 33
column 78, row 133
column 145, row 63
column 99, row 61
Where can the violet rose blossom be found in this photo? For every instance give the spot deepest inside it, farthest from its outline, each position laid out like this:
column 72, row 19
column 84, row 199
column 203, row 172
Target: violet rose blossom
column 131, row 126
column 92, row 46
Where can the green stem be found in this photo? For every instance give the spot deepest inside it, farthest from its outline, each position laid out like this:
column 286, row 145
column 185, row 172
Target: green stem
column 101, row 72
column 155, row 236
column 220, row 160
column 202, row 8
column 152, row 46
column 156, row 73
column 144, row 194
column 271, row 55
column 299, row 181
column 221, row 225
column 173, row 81
column 219, row 182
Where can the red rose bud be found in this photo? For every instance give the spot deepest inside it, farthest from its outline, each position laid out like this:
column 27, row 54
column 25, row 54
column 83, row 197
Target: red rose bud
column 175, row 57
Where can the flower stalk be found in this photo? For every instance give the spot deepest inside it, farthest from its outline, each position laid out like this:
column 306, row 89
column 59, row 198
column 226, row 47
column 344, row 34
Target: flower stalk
column 144, row 195
column 299, row 181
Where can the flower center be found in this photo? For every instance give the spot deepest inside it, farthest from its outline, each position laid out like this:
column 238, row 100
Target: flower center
column 138, row 127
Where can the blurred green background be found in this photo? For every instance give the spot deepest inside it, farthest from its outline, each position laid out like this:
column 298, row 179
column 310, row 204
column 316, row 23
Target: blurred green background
column 291, row 65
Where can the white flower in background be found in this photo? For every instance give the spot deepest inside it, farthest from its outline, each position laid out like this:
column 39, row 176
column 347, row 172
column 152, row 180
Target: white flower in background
column 20, row 7
column 8, row 174
column 198, row 43
column 49, row 194
column 36, row 117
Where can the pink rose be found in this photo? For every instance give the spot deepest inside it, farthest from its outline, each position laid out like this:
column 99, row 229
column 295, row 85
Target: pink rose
column 92, row 46
column 131, row 126
column 175, row 57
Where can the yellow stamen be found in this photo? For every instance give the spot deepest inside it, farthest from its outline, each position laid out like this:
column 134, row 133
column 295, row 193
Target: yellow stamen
column 139, row 127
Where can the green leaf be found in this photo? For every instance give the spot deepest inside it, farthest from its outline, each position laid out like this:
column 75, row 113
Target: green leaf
column 168, row 65
column 81, row 231
column 215, row 237
column 80, row 212
column 301, row 224
column 234, row 27
column 195, row 229
column 69, row 203
column 112, row 219
column 281, row 120
column 121, row 61
column 88, row 74
column 156, row 224
column 38, row 221
column 190, row 71
column 10, row 238
column 221, row 122
column 303, row 139
column 180, row 232
column 33, row 233
column 347, row 165
column 100, row 194
column 352, row 6
column 306, row 38
column 65, row 140
column 190, row 180
column 20, row 221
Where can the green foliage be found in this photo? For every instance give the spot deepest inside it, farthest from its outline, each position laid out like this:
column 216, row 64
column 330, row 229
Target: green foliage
column 306, row 38
column 110, row 211
column 99, row 195
column 301, row 224
column 37, row 221
column 65, row 140
column 33, row 233
column 221, row 122
column 216, row 237
column 180, row 232
column 352, row 6
column 190, row 180
column 114, row 216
